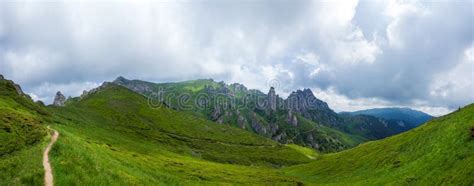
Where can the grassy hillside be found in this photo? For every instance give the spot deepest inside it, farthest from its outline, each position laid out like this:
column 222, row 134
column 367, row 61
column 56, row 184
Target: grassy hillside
column 372, row 127
column 114, row 137
column 22, row 137
column 439, row 152
column 237, row 106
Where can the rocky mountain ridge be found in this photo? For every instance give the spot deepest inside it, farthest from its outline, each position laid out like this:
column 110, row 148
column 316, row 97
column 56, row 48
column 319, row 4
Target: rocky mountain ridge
column 301, row 118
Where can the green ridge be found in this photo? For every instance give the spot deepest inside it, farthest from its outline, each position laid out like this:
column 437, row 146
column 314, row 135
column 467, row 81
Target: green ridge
column 22, row 137
column 439, row 152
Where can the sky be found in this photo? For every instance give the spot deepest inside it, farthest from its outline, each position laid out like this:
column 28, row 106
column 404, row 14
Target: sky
column 352, row 54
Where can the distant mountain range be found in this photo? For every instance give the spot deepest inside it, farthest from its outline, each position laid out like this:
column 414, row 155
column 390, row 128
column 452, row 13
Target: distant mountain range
column 409, row 116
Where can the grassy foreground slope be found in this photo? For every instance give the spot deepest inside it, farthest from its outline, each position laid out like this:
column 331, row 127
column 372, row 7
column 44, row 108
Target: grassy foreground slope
column 114, row 137
column 22, row 137
column 439, row 152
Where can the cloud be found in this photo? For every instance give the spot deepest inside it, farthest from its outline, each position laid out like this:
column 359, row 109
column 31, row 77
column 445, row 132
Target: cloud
column 44, row 90
column 394, row 52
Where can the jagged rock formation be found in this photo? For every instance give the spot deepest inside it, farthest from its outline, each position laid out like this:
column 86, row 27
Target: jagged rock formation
column 307, row 105
column 234, row 104
column 272, row 99
column 301, row 118
column 1, row 77
column 59, row 99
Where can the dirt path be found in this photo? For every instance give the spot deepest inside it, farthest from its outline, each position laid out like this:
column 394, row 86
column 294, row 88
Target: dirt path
column 48, row 175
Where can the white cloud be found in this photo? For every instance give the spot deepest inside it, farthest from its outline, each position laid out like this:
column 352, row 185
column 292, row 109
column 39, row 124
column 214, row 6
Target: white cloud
column 373, row 53
column 30, row 62
column 46, row 91
column 454, row 87
column 340, row 103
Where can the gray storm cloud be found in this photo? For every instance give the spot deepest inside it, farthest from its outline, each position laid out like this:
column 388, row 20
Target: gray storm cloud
column 371, row 53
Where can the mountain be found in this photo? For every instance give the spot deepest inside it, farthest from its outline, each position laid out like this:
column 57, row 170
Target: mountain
column 306, row 104
column 301, row 118
column 22, row 133
column 372, row 127
column 114, row 136
column 407, row 115
column 440, row 152
column 118, row 132
column 111, row 135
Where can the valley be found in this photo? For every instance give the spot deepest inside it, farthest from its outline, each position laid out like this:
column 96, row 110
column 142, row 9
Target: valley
column 112, row 136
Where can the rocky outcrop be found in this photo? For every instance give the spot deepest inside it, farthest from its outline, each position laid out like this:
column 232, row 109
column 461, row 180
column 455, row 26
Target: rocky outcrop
column 263, row 113
column 279, row 137
column 59, row 99
column 216, row 114
column 18, row 89
column 257, row 126
column 241, row 121
column 307, row 105
column 272, row 99
column 292, row 119
column 86, row 93
column 139, row 87
column 220, row 120
column 305, row 100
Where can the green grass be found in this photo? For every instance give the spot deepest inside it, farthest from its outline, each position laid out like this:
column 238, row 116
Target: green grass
column 21, row 122
column 102, row 158
column 269, row 125
column 24, row 166
column 113, row 137
column 439, row 152
column 22, row 138
column 308, row 152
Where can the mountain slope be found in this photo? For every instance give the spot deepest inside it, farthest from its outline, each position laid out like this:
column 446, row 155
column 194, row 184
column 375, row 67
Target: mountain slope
column 116, row 130
column 22, row 134
column 373, row 127
column 411, row 117
column 439, row 152
column 265, row 114
column 269, row 115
